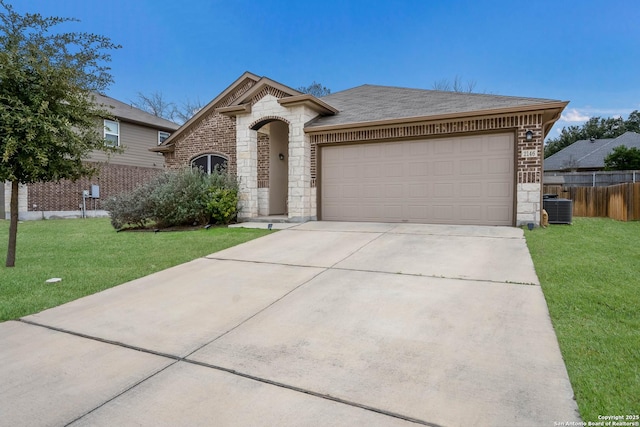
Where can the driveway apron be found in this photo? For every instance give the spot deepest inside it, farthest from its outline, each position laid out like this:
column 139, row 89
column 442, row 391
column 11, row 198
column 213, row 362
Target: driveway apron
column 323, row 323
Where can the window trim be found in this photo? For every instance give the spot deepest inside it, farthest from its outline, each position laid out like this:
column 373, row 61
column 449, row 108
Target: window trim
column 116, row 134
column 160, row 134
column 209, row 156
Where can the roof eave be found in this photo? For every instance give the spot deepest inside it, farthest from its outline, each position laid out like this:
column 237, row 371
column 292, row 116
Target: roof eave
column 163, row 149
column 554, row 108
column 310, row 101
column 234, row 110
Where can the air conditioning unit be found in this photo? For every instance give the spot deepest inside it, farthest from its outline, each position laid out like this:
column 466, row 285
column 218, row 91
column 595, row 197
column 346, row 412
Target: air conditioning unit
column 560, row 211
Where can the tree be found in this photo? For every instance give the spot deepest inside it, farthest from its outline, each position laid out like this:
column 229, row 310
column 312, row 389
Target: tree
column 156, row 104
column 47, row 110
column 456, row 86
column 595, row 127
column 622, row 158
column 187, row 109
column 315, row 89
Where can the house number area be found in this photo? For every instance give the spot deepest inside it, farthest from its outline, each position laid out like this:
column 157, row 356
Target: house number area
column 529, row 153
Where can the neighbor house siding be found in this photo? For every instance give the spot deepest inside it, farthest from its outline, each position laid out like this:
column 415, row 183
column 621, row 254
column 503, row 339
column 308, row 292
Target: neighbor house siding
column 136, row 140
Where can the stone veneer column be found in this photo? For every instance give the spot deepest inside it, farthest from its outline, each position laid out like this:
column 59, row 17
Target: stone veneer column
column 247, row 167
column 301, row 207
column 299, row 157
column 528, row 204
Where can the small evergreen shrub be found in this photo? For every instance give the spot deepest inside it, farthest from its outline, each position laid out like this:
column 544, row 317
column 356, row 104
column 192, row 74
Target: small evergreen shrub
column 130, row 209
column 176, row 198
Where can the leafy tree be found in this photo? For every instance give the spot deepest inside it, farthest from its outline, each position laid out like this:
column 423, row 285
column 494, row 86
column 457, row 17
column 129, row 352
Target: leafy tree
column 595, row 127
column 47, row 111
column 315, row 89
column 622, row 158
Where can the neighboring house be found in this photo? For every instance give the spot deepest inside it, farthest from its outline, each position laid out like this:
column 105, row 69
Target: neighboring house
column 373, row 153
column 588, row 155
column 134, row 130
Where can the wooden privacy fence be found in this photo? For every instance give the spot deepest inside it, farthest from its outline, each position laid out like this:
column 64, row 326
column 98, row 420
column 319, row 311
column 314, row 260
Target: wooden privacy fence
column 621, row 202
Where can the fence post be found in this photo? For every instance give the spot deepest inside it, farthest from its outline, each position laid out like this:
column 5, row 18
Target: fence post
column 593, row 183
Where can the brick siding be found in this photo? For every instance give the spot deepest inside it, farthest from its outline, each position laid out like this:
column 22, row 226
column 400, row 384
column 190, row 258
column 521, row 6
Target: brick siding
column 66, row 195
column 212, row 134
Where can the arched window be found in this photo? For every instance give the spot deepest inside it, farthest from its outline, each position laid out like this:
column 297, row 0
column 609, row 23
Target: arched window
column 208, row 162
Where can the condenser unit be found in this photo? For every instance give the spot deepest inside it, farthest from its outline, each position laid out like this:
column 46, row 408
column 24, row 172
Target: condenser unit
column 560, row 211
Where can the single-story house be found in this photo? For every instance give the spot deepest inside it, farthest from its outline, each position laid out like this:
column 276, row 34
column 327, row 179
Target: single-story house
column 588, row 154
column 373, row 153
column 136, row 131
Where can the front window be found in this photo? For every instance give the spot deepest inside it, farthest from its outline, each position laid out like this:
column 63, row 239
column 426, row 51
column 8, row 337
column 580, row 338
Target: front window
column 209, row 162
column 112, row 133
column 162, row 136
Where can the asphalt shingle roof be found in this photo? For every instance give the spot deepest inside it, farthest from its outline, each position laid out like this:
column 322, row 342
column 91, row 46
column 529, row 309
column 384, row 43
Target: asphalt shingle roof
column 584, row 154
column 373, row 103
column 127, row 112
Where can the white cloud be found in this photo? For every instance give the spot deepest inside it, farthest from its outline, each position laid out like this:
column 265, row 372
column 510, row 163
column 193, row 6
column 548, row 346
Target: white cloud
column 573, row 115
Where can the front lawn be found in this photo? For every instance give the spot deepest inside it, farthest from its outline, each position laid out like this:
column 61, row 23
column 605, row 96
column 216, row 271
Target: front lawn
column 90, row 256
column 590, row 276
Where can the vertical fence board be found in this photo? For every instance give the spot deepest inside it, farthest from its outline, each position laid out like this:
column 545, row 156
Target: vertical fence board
column 620, row 202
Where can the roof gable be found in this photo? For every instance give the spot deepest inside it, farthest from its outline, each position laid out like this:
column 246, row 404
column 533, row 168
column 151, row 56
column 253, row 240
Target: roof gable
column 223, row 99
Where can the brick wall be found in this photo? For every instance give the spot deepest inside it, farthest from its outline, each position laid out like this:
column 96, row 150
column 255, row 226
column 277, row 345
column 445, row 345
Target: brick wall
column 213, row 133
column 67, row 195
column 263, row 160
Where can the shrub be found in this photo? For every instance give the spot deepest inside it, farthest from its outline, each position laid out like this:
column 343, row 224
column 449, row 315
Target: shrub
column 223, row 205
column 131, row 208
column 178, row 197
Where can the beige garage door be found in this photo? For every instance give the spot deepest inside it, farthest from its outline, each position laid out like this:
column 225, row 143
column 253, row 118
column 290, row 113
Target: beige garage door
column 462, row 180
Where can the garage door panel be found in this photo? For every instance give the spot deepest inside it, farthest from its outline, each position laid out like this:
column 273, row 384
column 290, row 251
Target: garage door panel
column 350, row 191
column 394, row 191
column 393, row 170
column 372, row 191
column 418, row 169
column 463, row 180
column 420, row 191
column 500, row 166
column 443, row 213
column 445, row 190
column 471, row 190
column 498, row 214
column 472, row 167
column 500, row 143
column 444, row 168
column 498, row 189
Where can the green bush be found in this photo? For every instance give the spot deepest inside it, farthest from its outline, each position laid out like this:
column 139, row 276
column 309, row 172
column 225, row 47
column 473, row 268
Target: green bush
column 131, row 208
column 178, row 197
column 223, row 205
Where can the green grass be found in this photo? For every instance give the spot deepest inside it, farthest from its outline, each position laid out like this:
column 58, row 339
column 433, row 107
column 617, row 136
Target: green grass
column 590, row 276
column 90, row 256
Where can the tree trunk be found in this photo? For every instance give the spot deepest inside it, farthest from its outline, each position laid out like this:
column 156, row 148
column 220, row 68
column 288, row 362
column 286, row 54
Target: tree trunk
column 13, row 225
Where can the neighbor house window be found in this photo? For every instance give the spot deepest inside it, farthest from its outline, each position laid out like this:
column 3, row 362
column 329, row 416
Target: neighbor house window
column 112, row 133
column 208, row 162
column 162, row 136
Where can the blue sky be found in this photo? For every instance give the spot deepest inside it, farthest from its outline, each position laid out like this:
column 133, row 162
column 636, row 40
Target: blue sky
column 586, row 52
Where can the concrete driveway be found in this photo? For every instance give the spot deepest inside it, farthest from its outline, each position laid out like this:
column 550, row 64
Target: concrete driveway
column 321, row 324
